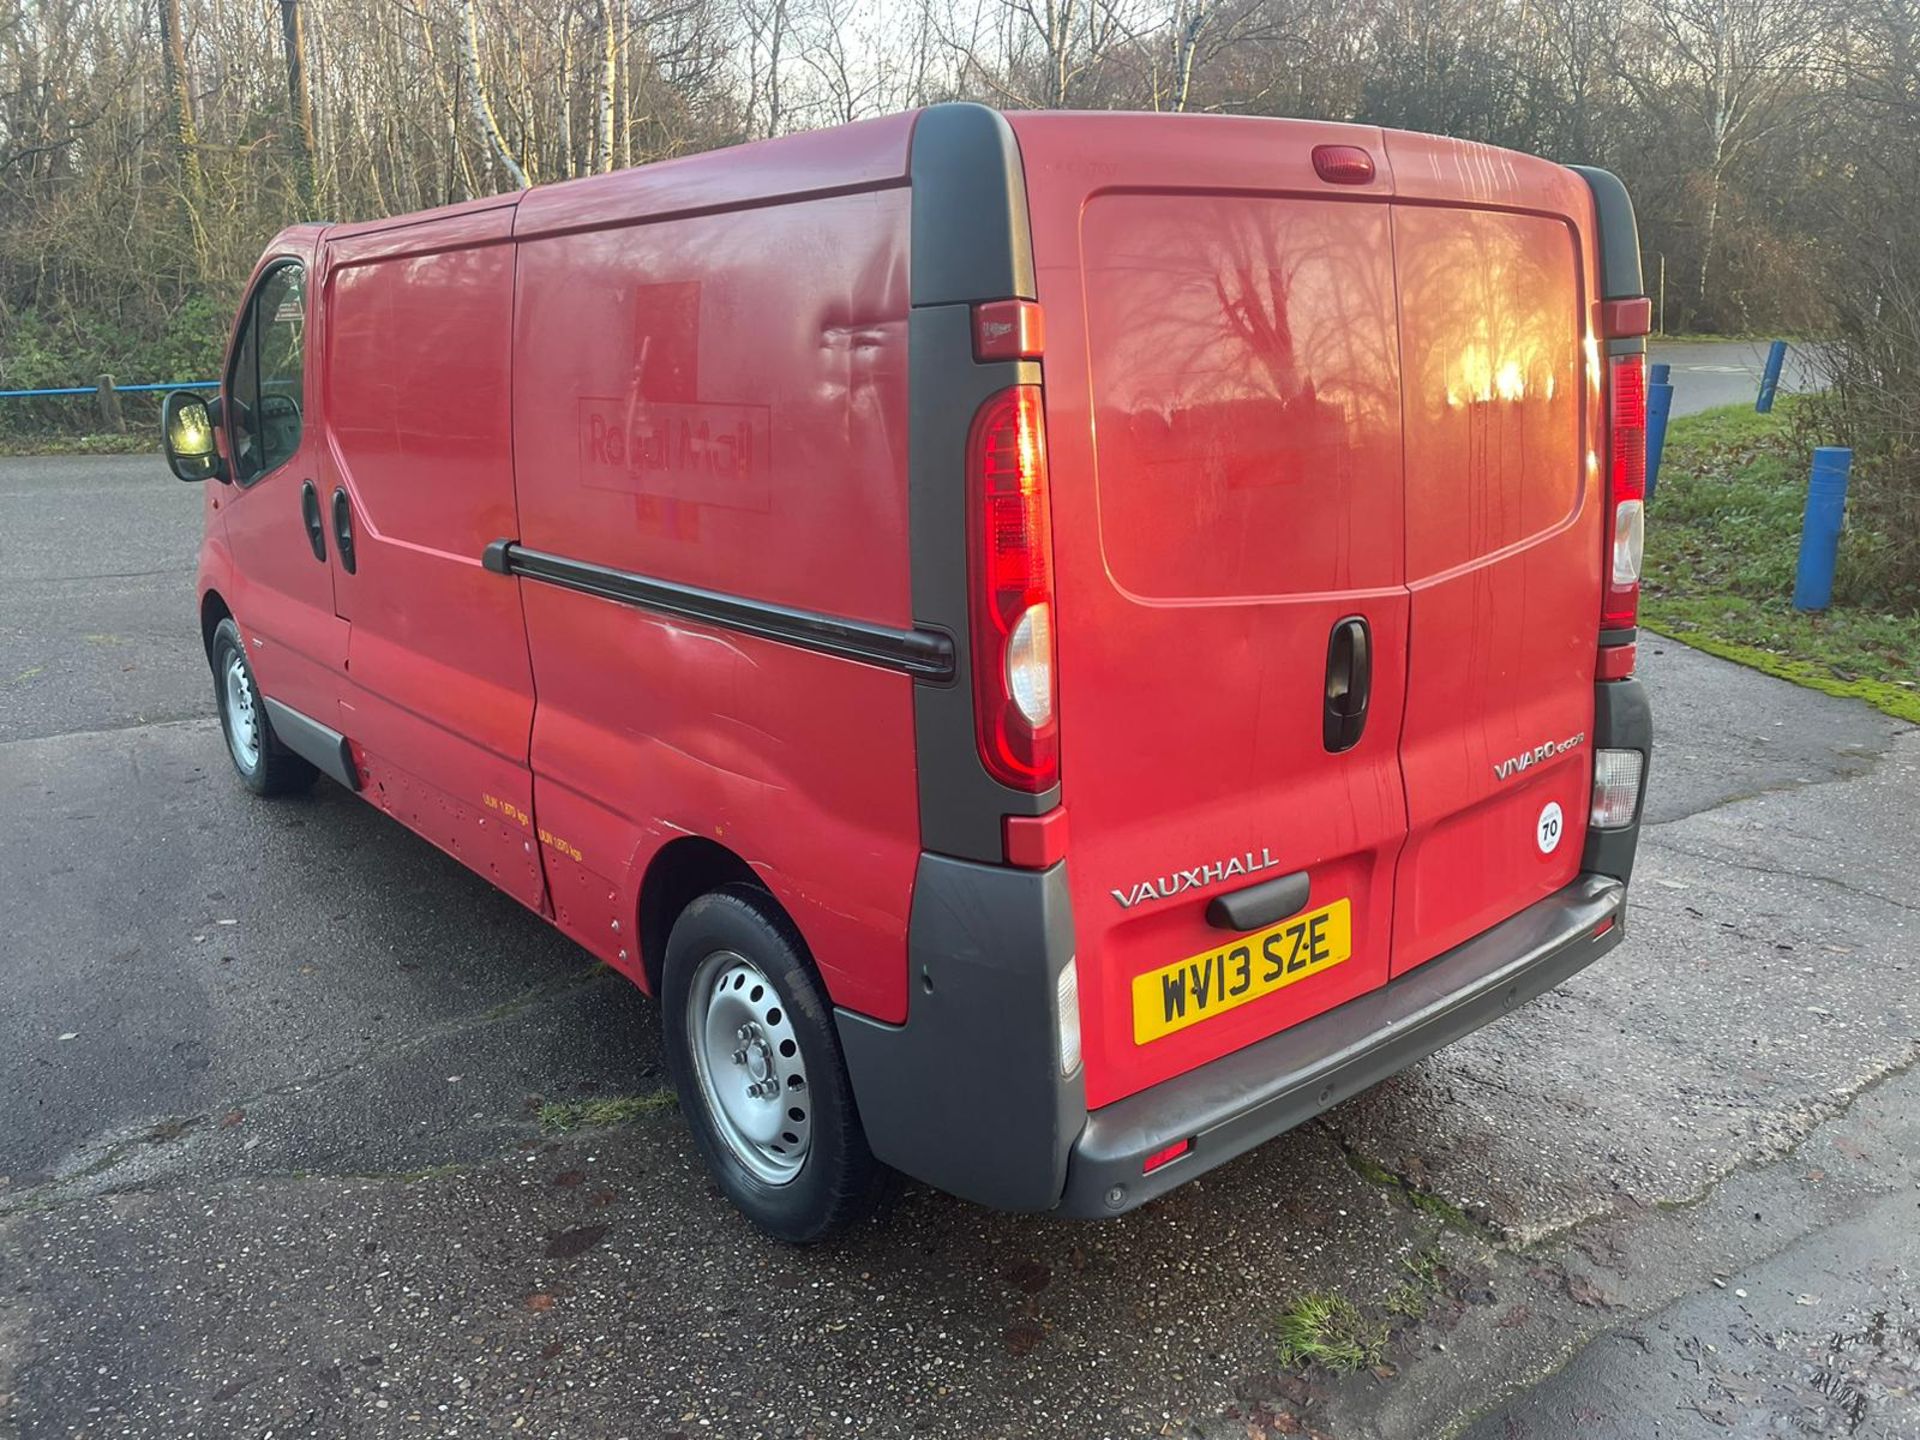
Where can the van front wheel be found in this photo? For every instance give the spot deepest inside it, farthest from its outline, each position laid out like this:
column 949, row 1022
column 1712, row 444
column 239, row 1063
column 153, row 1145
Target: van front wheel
column 756, row 1060
column 265, row 766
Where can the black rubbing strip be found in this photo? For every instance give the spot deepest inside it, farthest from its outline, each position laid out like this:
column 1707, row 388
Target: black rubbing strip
column 913, row 652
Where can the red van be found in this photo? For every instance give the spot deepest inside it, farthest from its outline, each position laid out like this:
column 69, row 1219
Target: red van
column 1056, row 646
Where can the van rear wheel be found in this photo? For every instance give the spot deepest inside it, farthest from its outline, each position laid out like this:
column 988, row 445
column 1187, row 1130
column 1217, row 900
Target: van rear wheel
column 266, row 767
column 756, row 1060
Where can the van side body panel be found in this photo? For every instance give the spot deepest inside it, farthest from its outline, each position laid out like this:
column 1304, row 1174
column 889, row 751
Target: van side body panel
column 718, row 399
column 438, row 696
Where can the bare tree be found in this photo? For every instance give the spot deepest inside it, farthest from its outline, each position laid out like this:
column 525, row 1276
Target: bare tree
column 1736, row 73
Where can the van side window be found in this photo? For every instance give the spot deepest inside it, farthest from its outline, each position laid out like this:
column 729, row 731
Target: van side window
column 265, row 386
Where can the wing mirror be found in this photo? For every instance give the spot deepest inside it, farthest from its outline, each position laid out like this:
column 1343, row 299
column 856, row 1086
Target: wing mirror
column 187, row 431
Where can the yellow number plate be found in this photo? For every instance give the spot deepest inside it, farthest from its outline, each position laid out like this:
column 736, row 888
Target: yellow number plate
column 1216, row 981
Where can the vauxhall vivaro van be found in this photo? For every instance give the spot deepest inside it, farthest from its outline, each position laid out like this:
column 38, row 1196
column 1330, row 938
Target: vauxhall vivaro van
column 1056, row 646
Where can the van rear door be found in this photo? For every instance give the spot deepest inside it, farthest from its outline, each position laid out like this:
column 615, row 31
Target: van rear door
column 1224, row 425
column 1504, row 513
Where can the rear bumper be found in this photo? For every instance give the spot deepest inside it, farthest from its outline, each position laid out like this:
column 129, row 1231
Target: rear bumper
column 1239, row 1101
column 968, row 1094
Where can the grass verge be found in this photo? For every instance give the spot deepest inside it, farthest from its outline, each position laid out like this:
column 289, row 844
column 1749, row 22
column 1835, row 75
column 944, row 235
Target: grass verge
column 1723, row 540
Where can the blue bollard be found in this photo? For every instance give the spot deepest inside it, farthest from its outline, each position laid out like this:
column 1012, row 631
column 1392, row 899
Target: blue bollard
column 1820, row 530
column 1770, row 377
column 1661, row 373
column 1659, row 407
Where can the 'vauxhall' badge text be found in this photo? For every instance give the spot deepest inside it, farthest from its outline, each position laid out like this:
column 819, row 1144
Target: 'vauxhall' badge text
column 1198, row 878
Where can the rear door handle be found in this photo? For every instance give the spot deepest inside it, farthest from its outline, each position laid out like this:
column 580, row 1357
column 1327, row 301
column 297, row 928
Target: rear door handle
column 310, row 517
column 1264, row 904
column 1349, row 683
column 343, row 528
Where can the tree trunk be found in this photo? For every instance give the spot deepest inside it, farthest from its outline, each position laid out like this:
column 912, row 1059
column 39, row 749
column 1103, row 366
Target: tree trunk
column 610, row 54
column 300, row 108
column 482, row 108
column 624, row 87
column 567, row 171
column 1187, row 46
column 180, row 98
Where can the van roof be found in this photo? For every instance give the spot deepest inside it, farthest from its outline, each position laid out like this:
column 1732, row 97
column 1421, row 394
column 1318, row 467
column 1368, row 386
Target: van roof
column 873, row 154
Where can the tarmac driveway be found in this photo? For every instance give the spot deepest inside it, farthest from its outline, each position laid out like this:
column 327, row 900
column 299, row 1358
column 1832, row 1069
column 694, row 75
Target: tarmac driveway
column 308, row 1131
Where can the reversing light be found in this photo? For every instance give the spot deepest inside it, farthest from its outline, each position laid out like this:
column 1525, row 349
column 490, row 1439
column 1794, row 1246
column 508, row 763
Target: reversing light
column 1030, row 663
column 1616, row 788
column 1066, row 1010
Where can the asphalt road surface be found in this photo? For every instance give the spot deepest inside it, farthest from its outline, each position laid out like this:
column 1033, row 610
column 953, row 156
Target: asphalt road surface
column 1710, row 373
column 290, row 1140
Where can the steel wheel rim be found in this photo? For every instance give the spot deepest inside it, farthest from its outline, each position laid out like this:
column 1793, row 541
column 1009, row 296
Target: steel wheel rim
column 243, row 715
column 752, row 1076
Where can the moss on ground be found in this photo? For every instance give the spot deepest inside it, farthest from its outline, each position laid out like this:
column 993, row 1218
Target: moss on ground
column 560, row 1117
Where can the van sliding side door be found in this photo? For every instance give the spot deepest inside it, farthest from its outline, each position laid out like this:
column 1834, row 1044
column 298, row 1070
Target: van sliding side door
column 439, row 690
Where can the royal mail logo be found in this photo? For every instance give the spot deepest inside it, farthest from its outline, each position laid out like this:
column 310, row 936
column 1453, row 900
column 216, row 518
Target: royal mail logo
column 1198, row 878
column 715, row 454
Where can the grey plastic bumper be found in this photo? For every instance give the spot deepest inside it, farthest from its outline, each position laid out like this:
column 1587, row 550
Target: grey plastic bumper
column 968, row 1094
column 1241, row 1100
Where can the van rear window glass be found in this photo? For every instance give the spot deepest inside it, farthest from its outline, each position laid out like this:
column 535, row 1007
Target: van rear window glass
column 1490, row 338
column 1246, row 394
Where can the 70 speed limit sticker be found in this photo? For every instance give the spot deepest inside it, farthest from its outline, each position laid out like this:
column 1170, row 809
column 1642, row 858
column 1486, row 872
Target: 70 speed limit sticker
column 1549, row 828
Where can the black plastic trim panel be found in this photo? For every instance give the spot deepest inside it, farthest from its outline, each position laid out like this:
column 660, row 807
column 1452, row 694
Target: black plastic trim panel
column 971, row 239
column 1230, row 1105
column 967, row 1095
column 971, row 242
column 1622, row 720
column 919, row 653
column 1620, row 274
column 324, row 749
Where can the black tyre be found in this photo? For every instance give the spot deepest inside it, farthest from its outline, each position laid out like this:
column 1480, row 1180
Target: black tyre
column 266, row 766
column 754, row 1054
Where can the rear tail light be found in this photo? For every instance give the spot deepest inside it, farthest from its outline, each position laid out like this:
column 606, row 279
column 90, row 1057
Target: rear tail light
column 1616, row 788
column 1066, row 1007
column 1627, row 489
column 1010, row 555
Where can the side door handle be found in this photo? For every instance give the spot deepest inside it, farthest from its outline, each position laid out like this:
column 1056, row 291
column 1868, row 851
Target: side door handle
column 1349, row 683
column 310, row 517
column 343, row 528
